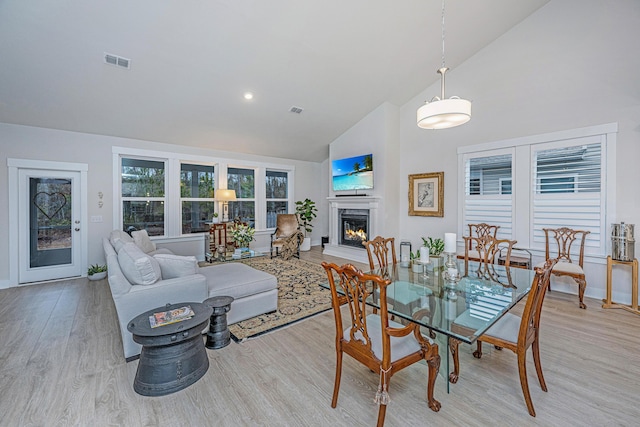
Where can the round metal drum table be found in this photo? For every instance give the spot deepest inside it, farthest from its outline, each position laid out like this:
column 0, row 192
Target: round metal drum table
column 218, row 335
column 173, row 356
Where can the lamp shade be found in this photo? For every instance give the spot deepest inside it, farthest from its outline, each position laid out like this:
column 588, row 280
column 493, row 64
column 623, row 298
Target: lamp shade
column 444, row 113
column 226, row 195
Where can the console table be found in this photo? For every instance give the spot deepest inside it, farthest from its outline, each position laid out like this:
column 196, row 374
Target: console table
column 633, row 308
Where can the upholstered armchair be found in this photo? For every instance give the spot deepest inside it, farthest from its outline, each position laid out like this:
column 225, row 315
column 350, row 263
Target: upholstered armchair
column 287, row 237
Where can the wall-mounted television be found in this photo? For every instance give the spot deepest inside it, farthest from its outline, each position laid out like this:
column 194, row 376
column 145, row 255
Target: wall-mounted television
column 353, row 173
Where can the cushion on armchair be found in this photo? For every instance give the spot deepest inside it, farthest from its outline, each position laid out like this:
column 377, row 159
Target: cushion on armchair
column 173, row 266
column 118, row 238
column 138, row 267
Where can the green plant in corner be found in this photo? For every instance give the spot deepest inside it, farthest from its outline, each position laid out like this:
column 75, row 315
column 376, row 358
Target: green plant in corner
column 96, row 268
column 436, row 246
column 306, row 211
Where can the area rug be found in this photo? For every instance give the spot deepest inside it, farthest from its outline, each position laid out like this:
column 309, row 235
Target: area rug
column 299, row 296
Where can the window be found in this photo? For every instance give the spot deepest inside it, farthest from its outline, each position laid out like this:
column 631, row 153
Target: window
column 277, row 187
column 568, row 188
column 488, row 190
column 197, row 183
column 243, row 182
column 546, row 181
column 143, row 195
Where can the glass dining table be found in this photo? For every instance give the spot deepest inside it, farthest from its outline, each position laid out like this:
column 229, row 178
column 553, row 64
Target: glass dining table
column 461, row 308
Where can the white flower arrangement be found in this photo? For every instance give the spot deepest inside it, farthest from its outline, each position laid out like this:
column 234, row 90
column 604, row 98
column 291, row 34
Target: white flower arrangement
column 242, row 234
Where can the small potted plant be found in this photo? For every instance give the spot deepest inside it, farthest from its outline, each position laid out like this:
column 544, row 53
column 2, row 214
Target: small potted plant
column 306, row 211
column 214, row 218
column 242, row 234
column 97, row 272
column 436, row 247
column 416, row 267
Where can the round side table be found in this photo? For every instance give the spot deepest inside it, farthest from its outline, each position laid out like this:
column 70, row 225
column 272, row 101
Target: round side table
column 173, row 356
column 218, row 335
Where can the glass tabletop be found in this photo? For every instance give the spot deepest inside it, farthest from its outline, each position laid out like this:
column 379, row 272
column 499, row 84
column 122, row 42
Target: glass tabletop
column 463, row 309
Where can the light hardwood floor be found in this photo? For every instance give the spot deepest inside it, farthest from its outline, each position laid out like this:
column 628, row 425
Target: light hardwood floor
column 61, row 363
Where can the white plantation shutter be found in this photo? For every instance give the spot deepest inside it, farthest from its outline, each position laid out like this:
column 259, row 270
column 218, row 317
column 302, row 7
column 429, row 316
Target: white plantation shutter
column 568, row 189
column 488, row 191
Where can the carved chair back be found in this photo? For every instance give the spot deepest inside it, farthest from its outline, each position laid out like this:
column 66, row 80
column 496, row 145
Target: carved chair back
column 482, row 230
column 568, row 242
column 381, row 251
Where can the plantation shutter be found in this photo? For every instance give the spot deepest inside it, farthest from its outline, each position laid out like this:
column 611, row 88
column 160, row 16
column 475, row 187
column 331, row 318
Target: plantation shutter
column 488, row 191
column 568, row 189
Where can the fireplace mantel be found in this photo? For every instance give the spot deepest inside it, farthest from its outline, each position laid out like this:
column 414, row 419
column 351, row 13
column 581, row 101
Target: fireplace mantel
column 372, row 204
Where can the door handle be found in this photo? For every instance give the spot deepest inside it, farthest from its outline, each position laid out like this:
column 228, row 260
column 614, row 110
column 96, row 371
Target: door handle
column 77, row 229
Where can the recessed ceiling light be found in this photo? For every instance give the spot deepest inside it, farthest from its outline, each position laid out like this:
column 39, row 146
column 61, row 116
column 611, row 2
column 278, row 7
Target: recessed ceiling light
column 248, row 95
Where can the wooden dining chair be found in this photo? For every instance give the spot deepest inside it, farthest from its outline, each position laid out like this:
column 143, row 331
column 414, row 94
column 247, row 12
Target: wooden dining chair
column 486, row 251
column 518, row 333
column 381, row 251
column 478, row 231
column 383, row 346
column 570, row 248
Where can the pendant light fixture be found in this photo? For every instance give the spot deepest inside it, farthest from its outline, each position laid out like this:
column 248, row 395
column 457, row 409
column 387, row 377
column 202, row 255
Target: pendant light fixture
column 440, row 112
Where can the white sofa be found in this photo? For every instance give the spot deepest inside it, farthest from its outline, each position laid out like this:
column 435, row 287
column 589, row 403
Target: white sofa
column 143, row 277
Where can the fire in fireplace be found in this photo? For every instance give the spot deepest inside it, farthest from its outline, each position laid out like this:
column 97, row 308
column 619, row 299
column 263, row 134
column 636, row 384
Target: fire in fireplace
column 354, row 226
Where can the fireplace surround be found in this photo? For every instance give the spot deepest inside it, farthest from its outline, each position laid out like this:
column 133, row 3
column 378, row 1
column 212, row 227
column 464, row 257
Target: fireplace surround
column 352, row 214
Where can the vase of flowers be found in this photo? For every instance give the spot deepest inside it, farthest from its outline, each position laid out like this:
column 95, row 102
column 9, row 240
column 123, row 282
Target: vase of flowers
column 242, row 234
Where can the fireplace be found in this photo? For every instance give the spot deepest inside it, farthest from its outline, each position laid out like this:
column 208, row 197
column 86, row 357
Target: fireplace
column 359, row 212
column 354, row 227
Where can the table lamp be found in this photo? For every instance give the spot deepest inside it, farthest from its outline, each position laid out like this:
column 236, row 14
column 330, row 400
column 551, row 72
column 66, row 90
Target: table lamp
column 225, row 196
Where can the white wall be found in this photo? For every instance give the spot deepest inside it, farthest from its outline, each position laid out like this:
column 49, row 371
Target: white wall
column 376, row 134
column 33, row 143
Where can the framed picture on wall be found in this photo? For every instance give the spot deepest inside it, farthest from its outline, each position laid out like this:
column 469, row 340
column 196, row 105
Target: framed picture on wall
column 426, row 194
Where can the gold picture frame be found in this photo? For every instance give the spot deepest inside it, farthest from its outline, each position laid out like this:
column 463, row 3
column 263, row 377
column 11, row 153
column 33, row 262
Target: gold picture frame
column 426, row 194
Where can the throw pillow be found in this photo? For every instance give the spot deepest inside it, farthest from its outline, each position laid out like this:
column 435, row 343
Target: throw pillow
column 138, row 267
column 173, row 266
column 118, row 238
column 142, row 240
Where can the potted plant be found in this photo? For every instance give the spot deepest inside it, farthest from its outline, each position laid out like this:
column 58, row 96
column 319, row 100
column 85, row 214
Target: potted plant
column 306, row 211
column 97, row 272
column 436, row 247
column 214, row 218
column 242, row 234
column 416, row 267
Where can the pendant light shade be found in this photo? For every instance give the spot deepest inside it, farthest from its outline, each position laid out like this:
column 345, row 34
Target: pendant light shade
column 440, row 112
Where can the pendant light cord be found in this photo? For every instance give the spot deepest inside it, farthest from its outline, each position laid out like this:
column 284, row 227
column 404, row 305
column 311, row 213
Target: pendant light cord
column 443, row 34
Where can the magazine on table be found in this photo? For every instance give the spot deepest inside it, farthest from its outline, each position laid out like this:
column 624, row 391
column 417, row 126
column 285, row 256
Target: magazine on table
column 171, row 316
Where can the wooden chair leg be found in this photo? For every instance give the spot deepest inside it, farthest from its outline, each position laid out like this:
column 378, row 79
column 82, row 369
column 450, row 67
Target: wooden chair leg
column 535, row 349
column 522, row 370
column 478, row 353
column 434, row 367
column 582, row 285
column 336, row 383
column 382, row 410
column 453, row 348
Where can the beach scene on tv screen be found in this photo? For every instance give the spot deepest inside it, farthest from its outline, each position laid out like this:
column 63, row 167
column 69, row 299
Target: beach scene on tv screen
column 354, row 173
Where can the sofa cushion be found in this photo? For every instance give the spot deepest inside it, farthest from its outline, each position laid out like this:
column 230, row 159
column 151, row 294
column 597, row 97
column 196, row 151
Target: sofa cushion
column 142, row 240
column 173, row 266
column 138, row 267
column 237, row 280
column 118, row 238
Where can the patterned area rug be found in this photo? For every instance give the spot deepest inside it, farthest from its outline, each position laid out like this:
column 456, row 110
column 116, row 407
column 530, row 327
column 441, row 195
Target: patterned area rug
column 299, row 296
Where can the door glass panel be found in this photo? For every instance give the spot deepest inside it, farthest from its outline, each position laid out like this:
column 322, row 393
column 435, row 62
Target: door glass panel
column 50, row 221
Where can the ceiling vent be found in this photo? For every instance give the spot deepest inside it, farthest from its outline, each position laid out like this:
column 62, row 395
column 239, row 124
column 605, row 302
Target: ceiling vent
column 295, row 109
column 116, row 60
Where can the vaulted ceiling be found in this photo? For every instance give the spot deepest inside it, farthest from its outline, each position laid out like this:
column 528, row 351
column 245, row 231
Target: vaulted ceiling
column 192, row 61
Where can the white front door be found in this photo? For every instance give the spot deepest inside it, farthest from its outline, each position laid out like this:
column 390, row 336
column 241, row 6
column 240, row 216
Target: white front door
column 50, row 225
